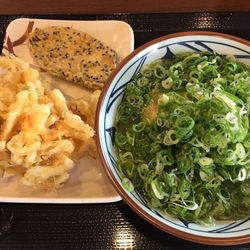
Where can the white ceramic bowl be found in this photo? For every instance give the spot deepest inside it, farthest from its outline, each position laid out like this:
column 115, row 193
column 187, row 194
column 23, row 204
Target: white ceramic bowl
column 224, row 232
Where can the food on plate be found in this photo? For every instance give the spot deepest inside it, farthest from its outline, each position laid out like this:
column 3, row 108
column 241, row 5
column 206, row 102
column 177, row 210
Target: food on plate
column 183, row 139
column 73, row 55
column 40, row 136
column 85, row 107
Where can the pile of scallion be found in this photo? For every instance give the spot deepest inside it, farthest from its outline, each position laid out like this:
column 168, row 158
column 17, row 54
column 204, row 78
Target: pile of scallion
column 183, row 138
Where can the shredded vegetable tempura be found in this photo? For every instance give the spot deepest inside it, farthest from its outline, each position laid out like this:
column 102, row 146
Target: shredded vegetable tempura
column 40, row 136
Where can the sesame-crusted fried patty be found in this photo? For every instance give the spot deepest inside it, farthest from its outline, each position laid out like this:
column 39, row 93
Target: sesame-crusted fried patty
column 73, row 55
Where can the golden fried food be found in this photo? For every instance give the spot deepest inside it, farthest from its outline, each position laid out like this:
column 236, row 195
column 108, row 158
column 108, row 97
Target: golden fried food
column 73, row 55
column 40, row 137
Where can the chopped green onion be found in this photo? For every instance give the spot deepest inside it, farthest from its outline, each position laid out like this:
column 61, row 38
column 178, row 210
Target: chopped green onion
column 183, row 137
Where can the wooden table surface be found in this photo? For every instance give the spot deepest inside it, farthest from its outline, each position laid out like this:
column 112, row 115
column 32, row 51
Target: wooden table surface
column 119, row 6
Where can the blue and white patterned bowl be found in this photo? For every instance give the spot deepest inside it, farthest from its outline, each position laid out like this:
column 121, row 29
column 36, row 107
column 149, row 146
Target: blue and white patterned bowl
column 224, row 232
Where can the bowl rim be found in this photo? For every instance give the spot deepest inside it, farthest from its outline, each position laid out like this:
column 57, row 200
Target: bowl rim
column 166, row 228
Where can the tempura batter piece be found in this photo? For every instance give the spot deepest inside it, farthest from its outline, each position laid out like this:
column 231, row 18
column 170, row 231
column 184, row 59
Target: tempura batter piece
column 73, row 55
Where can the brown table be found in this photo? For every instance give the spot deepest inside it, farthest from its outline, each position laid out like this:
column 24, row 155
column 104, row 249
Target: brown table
column 119, row 6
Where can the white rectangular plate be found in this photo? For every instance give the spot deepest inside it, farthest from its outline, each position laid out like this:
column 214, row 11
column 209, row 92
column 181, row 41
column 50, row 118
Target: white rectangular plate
column 88, row 182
